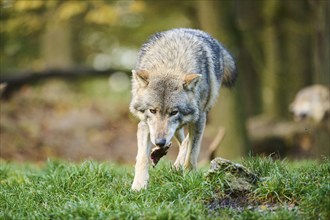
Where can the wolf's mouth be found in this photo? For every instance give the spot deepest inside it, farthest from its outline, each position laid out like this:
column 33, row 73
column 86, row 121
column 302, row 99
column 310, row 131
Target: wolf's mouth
column 157, row 153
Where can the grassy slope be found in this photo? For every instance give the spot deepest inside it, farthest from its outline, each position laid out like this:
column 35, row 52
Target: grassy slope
column 61, row 190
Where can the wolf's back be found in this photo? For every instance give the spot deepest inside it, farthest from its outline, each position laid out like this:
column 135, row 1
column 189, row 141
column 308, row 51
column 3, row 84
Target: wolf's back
column 190, row 51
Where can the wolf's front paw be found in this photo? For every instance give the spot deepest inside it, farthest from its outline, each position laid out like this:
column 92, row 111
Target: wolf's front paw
column 178, row 166
column 189, row 166
column 139, row 185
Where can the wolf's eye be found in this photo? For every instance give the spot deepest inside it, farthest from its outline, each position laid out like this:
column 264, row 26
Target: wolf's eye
column 173, row 113
column 152, row 111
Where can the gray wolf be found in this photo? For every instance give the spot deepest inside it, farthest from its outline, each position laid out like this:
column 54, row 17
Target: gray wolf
column 175, row 83
column 311, row 103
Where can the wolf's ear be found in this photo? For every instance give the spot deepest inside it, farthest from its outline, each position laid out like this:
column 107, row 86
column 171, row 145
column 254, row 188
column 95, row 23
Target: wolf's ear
column 141, row 76
column 191, row 80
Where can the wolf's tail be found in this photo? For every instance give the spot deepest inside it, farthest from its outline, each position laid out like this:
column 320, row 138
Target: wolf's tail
column 230, row 71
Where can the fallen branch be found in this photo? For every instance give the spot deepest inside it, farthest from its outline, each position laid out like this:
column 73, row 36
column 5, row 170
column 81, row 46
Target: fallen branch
column 214, row 145
column 16, row 80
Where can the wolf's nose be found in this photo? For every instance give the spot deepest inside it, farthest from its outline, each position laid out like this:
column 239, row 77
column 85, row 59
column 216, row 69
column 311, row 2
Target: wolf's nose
column 160, row 142
column 303, row 115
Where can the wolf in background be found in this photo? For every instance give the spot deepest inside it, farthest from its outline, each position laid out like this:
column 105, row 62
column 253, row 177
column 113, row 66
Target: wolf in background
column 312, row 102
column 175, row 83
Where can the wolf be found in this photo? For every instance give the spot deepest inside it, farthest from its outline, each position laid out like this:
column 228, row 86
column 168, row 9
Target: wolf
column 312, row 103
column 175, row 83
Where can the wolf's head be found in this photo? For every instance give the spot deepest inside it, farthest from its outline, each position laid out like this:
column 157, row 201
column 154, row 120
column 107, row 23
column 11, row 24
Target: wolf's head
column 311, row 103
column 165, row 102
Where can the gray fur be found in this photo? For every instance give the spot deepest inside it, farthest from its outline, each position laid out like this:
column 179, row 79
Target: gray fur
column 175, row 83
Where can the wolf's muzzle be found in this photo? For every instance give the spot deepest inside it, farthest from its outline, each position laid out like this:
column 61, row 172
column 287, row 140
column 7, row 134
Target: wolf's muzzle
column 160, row 142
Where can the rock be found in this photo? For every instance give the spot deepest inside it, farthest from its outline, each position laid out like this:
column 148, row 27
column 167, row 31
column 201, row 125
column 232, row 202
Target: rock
column 236, row 177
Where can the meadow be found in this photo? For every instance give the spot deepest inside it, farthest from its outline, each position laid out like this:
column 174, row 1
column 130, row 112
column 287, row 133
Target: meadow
column 99, row 190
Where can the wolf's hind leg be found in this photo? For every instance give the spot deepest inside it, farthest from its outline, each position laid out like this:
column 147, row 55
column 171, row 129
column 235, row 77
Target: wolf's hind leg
column 196, row 131
column 183, row 143
column 141, row 176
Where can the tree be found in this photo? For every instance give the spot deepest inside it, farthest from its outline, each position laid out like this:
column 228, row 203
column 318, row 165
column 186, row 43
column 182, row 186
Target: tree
column 229, row 110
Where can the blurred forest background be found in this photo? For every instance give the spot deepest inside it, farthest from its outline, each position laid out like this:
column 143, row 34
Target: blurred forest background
column 67, row 65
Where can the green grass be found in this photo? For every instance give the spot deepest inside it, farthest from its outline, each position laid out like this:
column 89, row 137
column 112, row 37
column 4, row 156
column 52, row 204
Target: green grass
column 93, row 190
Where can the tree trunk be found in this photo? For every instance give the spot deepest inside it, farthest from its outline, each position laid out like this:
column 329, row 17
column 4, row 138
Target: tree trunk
column 56, row 50
column 270, row 72
column 228, row 112
column 320, row 42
